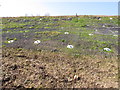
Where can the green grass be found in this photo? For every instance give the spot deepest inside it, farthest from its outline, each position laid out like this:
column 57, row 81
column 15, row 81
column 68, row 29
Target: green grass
column 77, row 28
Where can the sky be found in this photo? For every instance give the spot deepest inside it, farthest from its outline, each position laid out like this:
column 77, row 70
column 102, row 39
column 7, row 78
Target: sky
column 14, row 8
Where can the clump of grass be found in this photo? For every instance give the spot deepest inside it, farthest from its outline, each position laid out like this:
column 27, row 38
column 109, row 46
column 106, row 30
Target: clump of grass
column 3, row 45
column 49, row 33
column 19, row 49
column 11, row 38
column 63, row 40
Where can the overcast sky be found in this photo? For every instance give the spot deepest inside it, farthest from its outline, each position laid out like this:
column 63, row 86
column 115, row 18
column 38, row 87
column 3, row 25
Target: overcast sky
column 58, row 7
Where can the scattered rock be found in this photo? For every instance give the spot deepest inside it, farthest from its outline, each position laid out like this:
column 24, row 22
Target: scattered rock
column 70, row 46
column 111, row 18
column 54, row 50
column 69, row 19
column 40, row 19
column 39, row 50
column 74, row 70
column 20, row 55
column 13, row 67
column 6, row 79
column 37, row 42
column 66, row 33
column 11, row 41
column 65, row 80
column 107, row 49
column 90, row 34
column 99, row 18
column 41, row 67
column 35, row 57
column 103, row 26
column 76, row 77
column 20, row 87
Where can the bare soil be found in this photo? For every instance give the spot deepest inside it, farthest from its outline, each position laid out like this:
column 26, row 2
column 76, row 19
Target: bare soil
column 33, row 69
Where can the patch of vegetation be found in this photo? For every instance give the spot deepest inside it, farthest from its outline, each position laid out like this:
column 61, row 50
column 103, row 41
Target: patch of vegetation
column 49, row 33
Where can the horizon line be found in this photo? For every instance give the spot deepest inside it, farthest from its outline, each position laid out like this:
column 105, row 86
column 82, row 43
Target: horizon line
column 60, row 15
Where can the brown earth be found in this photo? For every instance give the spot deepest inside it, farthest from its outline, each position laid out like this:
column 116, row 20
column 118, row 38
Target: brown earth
column 39, row 69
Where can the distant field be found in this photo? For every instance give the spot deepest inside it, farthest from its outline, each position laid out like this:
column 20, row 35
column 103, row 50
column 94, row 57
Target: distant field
column 60, row 51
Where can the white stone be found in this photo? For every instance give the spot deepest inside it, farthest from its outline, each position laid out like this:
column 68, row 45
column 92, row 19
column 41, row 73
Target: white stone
column 76, row 77
column 37, row 42
column 90, row 34
column 70, row 46
column 66, row 33
column 111, row 18
column 107, row 49
column 11, row 41
column 103, row 26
